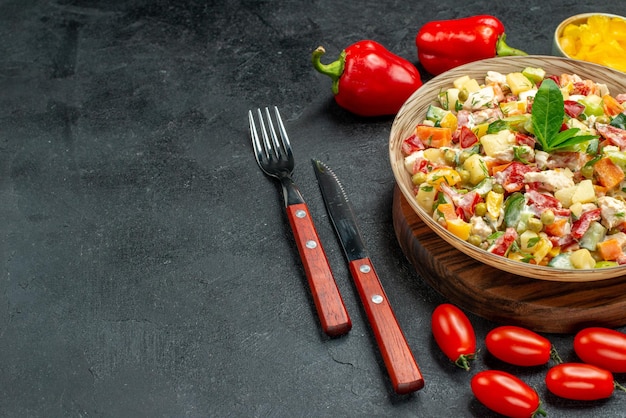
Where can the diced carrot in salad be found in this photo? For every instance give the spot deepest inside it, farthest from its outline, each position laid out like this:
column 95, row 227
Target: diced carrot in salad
column 558, row 228
column 432, row 136
column 487, row 170
column 610, row 250
column 611, row 106
column 447, row 211
column 608, row 173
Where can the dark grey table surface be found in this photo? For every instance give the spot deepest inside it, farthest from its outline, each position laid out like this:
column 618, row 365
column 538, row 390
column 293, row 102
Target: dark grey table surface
column 147, row 269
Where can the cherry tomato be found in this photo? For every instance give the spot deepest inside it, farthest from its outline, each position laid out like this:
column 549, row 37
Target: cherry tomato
column 518, row 346
column 506, row 394
column 454, row 334
column 580, row 381
column 602, row 347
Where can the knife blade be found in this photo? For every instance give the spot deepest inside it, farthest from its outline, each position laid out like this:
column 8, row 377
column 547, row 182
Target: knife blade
column 399, row 360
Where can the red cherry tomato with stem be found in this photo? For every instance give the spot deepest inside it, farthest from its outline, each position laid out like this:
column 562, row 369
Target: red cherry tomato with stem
column 520, row 346
column 581, row 382
column 454, row 334
column 506, row 394
column 602, row 347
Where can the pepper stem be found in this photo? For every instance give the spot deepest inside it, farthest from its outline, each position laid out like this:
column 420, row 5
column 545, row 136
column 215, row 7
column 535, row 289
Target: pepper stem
column 334, row 70
column 503, row 50
column 618, row 386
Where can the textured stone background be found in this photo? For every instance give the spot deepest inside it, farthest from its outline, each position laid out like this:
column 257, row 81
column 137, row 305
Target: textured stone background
column 147, row 269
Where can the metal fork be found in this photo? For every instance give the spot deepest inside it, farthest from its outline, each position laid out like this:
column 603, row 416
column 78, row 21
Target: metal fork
column 275, row 157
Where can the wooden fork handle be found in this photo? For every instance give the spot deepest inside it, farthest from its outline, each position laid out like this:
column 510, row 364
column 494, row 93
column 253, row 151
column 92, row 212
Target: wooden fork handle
column 401, row 365
column 328, row 301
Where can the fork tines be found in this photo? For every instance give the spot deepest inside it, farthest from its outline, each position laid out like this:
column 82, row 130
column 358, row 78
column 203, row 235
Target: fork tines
column 270, row 147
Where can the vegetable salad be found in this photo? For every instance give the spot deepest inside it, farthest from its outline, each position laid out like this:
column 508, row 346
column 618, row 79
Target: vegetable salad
column 526, row 165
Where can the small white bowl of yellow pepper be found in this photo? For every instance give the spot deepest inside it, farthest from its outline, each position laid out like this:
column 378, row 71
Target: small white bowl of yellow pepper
column 594, row 37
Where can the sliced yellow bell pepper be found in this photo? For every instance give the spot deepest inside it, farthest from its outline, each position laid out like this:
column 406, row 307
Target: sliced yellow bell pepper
column 600, row 39
column 494, row 202
column 459, row 227
column 443, row 174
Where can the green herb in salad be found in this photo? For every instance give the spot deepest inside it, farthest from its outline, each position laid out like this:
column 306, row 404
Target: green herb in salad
column 547, row 114
column 619, row 121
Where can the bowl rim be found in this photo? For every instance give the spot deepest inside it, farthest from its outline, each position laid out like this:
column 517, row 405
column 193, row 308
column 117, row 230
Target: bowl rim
column 480, row 255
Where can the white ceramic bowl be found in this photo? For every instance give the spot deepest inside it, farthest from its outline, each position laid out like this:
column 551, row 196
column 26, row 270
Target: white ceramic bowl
column 413, row 112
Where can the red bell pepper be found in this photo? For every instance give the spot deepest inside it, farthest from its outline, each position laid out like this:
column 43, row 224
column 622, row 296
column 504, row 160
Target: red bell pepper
column 465, row 203
column 541, row 201
column 525, row 139
column 502, row 244
column 445, row 44
column 412, row 144
column 512, row 177
column 573, row 109
column 582, row 224
column 368, row 79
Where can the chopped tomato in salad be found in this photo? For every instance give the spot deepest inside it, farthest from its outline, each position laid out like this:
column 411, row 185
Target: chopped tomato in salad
column 527, row 166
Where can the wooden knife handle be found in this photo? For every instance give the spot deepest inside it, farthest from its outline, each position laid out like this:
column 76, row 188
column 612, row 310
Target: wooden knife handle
column 328, row 301
column 401, row 365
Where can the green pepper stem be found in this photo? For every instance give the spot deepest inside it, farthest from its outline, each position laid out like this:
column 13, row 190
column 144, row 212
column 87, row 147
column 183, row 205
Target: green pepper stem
column 334, row 70
column 619, row 387
column 503, row 50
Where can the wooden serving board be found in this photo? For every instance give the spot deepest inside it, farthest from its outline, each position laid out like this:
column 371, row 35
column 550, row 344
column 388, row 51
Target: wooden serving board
column 540, row 305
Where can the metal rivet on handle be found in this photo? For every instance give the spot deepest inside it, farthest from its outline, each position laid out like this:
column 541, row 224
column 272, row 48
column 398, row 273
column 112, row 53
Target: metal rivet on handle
column 377, row 299
column 311, row 244
column 365, row 268
column 300, row 213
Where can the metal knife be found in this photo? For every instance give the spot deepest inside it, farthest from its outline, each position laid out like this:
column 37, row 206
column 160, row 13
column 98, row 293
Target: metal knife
column 401, row 365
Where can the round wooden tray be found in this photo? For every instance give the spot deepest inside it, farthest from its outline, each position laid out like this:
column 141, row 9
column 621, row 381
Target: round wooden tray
column 540, row 305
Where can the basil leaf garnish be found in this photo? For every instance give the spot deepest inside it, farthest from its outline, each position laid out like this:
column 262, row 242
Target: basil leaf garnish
column 548, row 114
